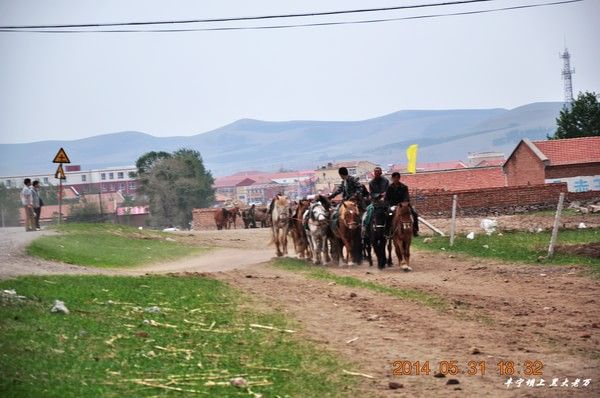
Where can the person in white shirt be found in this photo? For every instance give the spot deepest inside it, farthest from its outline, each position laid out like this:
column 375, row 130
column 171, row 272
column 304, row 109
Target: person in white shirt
column 27, row 202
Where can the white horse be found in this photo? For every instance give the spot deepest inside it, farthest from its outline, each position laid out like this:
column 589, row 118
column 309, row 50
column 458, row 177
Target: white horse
column 280, row 218
column 318, row 224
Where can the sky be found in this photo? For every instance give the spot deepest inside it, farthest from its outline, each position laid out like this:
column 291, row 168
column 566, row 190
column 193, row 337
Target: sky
column 71, row 86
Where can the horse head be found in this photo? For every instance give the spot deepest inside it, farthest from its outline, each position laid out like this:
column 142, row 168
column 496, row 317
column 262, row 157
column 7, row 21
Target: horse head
column 318, row 212
column 281, row 209
column 379, row 218
column 349, row 214
column 402, row 216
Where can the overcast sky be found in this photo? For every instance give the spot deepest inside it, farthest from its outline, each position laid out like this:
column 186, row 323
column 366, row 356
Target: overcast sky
column 68, row 86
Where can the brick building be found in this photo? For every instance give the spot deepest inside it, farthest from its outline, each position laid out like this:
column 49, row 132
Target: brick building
column 574, row 161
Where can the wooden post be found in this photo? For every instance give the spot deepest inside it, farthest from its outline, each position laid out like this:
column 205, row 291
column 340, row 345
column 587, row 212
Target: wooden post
column 453, row 222
column 430, row 226
column 559, row 208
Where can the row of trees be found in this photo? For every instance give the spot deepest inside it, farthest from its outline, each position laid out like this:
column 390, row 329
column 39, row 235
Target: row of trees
column 174, row 183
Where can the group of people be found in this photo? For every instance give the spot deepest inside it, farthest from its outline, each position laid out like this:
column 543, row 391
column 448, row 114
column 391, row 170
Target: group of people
column 32, row 203
column 380, row 189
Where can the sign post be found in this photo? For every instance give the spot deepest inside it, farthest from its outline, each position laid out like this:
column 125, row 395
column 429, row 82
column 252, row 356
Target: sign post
column 60, row 158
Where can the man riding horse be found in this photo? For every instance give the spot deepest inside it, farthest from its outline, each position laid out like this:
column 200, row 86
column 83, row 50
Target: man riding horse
column 397, row 193
column 378, row 185
column 350, row 188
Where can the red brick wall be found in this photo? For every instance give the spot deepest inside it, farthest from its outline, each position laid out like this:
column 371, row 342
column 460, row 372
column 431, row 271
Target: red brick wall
column 573, row 170
column 524, row 168
column 203, row 219
column 584, row 196
column 490, row 200
column 457, row 179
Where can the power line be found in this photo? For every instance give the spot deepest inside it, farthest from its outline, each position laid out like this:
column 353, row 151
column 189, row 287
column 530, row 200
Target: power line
column 231, row 28
column 233, row 19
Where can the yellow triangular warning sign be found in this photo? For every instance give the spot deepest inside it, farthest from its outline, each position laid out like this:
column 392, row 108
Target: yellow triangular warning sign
column 61, row 157
column 60, row 173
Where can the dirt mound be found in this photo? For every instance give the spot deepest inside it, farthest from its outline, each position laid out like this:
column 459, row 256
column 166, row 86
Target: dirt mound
column 588, row 249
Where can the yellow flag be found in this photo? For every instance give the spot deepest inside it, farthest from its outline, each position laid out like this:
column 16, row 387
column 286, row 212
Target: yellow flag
column 411, row 155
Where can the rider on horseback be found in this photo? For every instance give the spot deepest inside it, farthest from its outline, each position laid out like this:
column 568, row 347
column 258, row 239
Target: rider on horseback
column 397, row 193
column 378, row 185
column 377, row 189
column 350, row 188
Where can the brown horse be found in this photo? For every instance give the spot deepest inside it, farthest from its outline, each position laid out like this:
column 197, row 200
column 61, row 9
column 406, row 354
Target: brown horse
column 298, row 232
column 233, row 213
column 224, row 218
column 221, row 218
column 280, row 218
column 348, row 232
column 402, row 225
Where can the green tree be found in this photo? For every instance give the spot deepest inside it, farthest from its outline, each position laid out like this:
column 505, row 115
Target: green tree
column 85, row 211
column 174, row 184
column 581, row 119
column 10, row 203
column 147, row 160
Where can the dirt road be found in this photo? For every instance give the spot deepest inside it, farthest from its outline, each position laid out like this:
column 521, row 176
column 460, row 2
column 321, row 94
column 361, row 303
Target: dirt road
column 497, row 312
column 15, row 262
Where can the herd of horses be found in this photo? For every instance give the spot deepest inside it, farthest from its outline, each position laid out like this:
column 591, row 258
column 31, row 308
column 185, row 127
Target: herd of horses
column 322, row 234
column 226, row 218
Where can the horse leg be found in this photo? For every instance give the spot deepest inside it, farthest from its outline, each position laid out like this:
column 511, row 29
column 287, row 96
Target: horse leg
column 310, row 244
column 285, row 251
column 398, row 248
column 318, row 247
column 406, row 244
column 389, row 249
column 326, row 249
column 296, row 241
column 277, row 241
column 349, row 259
column 368, row 251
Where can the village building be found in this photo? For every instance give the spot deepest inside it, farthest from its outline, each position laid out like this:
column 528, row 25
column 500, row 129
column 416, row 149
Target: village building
column 574, row 161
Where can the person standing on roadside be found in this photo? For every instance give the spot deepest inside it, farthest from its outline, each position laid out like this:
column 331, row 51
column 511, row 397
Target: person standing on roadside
column 27, row 202
column 37, row 203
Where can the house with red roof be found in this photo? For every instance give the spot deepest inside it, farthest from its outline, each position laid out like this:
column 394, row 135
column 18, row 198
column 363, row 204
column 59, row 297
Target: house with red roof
column 575, row 161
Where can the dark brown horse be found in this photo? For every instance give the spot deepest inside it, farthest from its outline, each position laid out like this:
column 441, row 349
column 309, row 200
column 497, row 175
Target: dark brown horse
column 224, row 217
column 298, row 232
column 347, row 232
column 402, row 232
column 262, row 216
column 221, row 217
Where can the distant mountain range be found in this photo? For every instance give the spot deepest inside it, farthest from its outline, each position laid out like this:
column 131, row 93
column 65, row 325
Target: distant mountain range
column 261, row 145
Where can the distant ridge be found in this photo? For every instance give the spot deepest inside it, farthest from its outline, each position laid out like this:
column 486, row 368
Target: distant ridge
column 262, row 145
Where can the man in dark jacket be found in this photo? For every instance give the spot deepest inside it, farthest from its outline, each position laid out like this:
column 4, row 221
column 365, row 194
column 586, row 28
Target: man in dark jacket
column 397, row 193
column 378, row 185
column 349, row 188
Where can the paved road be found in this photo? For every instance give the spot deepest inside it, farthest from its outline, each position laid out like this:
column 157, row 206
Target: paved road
column 15, row 262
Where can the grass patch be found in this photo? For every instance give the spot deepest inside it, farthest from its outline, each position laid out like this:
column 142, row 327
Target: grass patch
column 104, row 347
column 108, row 245
column 321, row 273
column 519, row 246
